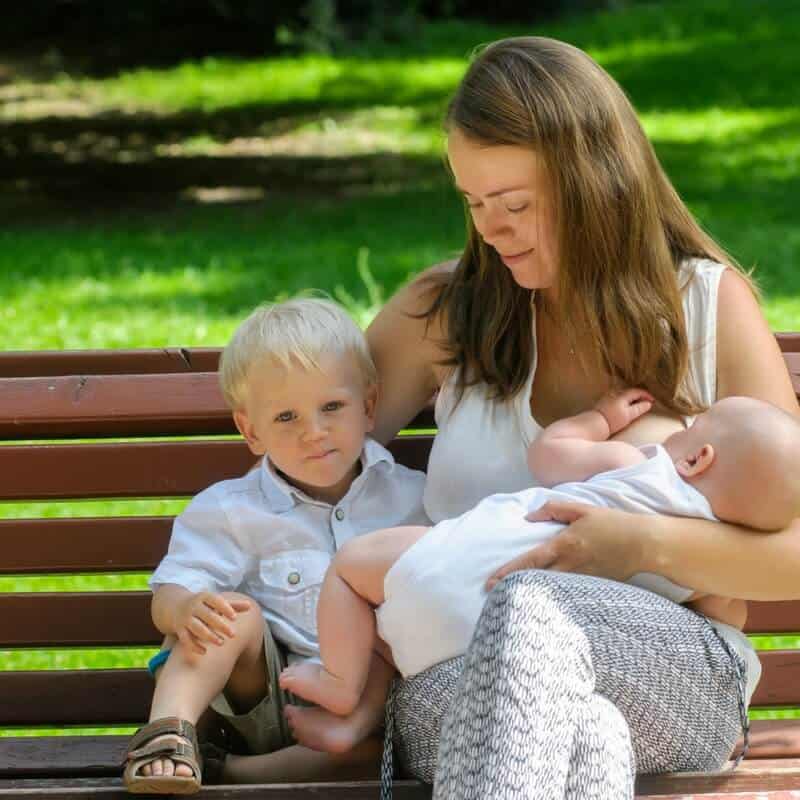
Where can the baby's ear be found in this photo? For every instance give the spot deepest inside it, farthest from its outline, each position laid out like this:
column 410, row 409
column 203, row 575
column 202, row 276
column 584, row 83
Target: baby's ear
column 695, row 464
column 370, row 404
column 247, row 430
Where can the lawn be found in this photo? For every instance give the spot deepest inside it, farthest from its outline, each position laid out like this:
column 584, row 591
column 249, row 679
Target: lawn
column 354, row 197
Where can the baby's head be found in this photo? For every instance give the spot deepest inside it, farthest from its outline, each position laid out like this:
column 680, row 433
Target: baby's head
column 302, row 386
column 744, row 456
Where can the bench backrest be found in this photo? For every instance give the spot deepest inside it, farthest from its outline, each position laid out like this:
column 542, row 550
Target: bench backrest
column 161, row 425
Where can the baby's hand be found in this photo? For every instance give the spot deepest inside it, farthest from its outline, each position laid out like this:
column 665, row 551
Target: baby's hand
column 202, row 619
column 621, row 409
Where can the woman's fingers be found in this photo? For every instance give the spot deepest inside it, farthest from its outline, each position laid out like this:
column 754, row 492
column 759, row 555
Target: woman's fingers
column 540, row 557
column 559, row 511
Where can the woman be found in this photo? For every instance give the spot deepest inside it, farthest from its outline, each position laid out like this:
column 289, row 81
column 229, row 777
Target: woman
column 583, row 271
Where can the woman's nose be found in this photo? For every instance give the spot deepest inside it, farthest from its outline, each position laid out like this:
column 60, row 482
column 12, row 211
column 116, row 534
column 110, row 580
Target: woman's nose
column 492, row 227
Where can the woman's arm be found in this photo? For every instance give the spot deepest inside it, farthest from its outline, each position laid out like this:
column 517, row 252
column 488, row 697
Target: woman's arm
column 711, row 557
column 749, row 361
column 406, row 350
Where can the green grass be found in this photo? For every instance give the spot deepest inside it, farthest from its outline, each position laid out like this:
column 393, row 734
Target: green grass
column 715, row 84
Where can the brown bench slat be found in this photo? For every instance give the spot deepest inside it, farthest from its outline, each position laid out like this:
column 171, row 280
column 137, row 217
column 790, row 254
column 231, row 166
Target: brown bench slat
column 114, row 405
column 112, row 789
column 751, row 775
column 793, row 365
column 175, row 404
column 780, row 679
column 789, row 342
column 98, row 544
column 119, row 618
column 140, row 469
column 158, row 469
column 30, row 364
column 76, row 619
column 51, row 757
column 75, row 697
column 781, row 617
column 69, row 696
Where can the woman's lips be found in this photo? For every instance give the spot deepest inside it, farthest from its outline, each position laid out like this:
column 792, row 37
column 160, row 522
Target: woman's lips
column 510, row 260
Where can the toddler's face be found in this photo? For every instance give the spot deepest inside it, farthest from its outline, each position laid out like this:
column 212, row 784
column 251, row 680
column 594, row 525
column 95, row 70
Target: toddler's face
column 311, row 423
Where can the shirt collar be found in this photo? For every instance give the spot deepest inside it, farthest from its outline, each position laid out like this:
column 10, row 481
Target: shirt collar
column 282, row 496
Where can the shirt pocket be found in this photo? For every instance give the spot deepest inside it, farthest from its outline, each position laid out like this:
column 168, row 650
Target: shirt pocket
column 291, row 584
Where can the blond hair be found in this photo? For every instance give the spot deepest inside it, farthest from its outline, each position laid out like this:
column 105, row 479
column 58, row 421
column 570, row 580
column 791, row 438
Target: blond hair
column 294, row 333
column 622, row 230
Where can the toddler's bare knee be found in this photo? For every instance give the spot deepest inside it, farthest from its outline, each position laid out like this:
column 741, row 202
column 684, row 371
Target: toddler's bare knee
column 249, row 620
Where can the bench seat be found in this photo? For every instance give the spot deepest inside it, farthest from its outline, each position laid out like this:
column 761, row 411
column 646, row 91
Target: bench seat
column 163, row 407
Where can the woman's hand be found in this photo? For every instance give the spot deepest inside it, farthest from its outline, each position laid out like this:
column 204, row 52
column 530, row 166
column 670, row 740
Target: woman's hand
column 604, row 542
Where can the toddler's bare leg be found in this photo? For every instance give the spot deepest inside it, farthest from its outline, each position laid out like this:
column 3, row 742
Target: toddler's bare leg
column 298, row 764
column 188, row 682
column 352, row 588
column 318, row 729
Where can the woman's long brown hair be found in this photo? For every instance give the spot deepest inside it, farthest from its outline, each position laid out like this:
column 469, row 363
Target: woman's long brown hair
column 622, row 229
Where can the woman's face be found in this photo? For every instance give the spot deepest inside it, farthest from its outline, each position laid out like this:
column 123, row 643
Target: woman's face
column 509, row 198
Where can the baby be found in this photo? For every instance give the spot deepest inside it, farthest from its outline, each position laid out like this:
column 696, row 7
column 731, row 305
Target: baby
column 236, row 593
column 738, row 462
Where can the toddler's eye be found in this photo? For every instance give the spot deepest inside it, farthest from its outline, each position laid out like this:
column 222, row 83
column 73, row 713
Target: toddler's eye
column 284, row 416
column 334, row 405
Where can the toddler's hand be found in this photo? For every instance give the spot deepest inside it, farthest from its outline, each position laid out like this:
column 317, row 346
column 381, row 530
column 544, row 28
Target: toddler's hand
column 202, row 619
column 621, row 409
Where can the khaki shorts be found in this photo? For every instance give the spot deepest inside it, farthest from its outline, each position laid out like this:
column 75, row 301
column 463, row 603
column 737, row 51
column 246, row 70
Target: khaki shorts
column 264, row 728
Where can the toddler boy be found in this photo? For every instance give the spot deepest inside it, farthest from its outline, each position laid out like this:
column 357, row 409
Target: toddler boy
column 236, row 594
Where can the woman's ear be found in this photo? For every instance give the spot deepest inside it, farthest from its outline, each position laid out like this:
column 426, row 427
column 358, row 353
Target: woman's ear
column 695, row 464
column 247, row 430
column 370, row 404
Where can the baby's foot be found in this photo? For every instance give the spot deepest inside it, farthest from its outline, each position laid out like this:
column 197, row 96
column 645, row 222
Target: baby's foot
column 318, row 729
column 314, row 683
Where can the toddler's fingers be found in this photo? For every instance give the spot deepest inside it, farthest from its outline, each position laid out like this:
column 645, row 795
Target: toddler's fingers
column 191, row 643
column 219, row 604
column 202, row 632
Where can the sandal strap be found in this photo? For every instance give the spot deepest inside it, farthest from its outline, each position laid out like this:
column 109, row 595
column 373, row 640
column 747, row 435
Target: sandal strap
column 176, row 747
column 161, row 727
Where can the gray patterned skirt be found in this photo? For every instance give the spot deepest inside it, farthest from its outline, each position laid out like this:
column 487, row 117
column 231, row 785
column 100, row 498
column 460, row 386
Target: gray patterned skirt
column 571, row 684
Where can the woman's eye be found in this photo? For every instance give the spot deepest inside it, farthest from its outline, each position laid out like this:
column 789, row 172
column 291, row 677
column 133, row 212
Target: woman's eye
column 284, row 416
column 517, row 209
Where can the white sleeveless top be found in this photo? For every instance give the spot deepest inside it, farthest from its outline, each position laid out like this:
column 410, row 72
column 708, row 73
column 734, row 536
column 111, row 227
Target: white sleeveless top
column 481, row 445
column 480, row 448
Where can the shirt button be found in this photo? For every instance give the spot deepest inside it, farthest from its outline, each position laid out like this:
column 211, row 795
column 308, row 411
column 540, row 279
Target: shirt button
column 339, row 514
column 294, row 578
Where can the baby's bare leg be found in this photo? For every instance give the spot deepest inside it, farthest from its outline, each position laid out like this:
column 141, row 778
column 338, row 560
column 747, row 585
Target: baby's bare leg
column 318, row 729
column 352, row 588
column 724, row 609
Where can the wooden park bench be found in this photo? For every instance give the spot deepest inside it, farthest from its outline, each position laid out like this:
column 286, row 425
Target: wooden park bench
column 127, row 398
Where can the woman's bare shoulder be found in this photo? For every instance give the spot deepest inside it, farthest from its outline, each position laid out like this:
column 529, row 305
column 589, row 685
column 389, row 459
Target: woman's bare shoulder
column 408, row 345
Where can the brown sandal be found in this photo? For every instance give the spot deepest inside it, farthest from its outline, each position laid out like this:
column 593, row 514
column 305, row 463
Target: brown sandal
column 179, row 745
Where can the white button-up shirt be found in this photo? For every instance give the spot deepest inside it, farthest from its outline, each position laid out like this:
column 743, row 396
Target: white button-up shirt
column 263, row 537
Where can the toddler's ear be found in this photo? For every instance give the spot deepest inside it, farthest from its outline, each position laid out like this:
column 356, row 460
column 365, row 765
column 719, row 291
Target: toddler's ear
column 247, row 430
column 695, row 464
column 370, row 404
